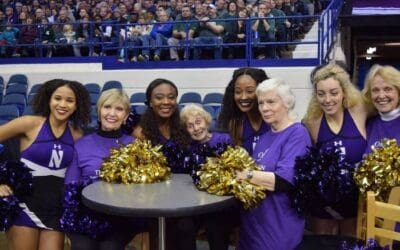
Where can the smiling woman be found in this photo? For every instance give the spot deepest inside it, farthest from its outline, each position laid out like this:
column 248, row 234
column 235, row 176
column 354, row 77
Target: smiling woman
column 336, row 116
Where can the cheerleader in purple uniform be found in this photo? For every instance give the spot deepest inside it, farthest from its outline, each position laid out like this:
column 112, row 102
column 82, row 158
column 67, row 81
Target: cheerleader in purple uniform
column 381, row 90
column 239, row 114
column 336, row 118
column 62, row 108
column 197, row 122
column 275, row 224
column 113, row 109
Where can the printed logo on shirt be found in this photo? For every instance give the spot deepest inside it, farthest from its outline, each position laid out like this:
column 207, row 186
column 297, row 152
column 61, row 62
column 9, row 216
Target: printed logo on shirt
column 56, row 156
column 339, row 144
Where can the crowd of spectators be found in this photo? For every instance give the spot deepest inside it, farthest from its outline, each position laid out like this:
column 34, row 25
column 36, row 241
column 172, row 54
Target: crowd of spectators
column 142, row 30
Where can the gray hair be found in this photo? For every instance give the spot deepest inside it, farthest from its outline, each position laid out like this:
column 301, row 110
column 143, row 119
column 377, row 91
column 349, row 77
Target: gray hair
column 283, row 90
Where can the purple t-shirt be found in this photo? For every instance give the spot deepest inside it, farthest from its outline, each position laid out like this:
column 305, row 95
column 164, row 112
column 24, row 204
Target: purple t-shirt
column 90, row 152
column 274, row 224
column 378, row 129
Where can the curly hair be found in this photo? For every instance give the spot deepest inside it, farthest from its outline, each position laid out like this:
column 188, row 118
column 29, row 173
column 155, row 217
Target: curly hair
column 390, row 74
column 231, row 117
column 80, row 118
column 352, row 95
column 150, row 121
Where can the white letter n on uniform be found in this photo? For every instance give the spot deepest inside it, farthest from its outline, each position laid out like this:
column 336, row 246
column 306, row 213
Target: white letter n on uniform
column 56, row 156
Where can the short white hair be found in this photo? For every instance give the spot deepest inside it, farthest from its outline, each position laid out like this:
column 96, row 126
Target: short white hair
column 283, row 90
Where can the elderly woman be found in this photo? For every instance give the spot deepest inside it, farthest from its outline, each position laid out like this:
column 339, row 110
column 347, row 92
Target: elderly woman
column 274, row 224
column 382, row 93
column 112, row 109
column 336, row 117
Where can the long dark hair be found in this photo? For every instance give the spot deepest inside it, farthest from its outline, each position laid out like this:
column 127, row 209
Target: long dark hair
column 80, row 118
column 231, row 116
column 149, row 121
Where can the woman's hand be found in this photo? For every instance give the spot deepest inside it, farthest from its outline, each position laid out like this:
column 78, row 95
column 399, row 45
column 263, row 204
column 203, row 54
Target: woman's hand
column 241, row 175
column 5, row 190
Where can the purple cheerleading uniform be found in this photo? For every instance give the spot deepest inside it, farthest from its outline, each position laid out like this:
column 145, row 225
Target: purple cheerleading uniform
column 90, row 153
column 274, row 224
column 352, row 146
column 378, row 129
column 48, row 157
column 221, row 138
column 250, row 137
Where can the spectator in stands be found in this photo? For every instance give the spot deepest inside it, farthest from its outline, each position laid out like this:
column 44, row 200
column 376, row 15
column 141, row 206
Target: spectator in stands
column 282, row 25
column 145, row 37
column 62, row 109
column 161, row 32
column 222, row 11
column 10, row 15
column 48, row 38
column 2, row 20
column 22, row 18
column 38, row 15
column 18, row 8
column 27, row 36
column 182, row 33
column 210, row 31
column 231, row 29
column 8, row 39
column 238, row 35
column 264, row 31
column 239, row 112
column 83, row 35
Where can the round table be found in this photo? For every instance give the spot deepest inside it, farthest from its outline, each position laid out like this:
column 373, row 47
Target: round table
column 172, row 198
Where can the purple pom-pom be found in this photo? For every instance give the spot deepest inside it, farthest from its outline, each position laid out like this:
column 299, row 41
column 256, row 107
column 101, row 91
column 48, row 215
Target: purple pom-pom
column 77, row 218
column 322, row 177
column 176, row 157
column 18, row 177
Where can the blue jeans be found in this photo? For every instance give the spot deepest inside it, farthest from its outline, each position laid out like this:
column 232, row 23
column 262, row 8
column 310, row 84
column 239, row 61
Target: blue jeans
column 161, row 40
column 202, row 40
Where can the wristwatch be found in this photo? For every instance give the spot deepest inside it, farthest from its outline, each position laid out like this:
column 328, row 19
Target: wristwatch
column 249, row 174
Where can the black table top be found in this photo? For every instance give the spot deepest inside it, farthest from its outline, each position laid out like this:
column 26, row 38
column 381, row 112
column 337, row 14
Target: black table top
column 173, row 198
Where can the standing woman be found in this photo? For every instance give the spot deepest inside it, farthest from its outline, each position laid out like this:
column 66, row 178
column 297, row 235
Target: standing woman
column 112, row 109
column 336, row 117
column 275, row 224
column 382, row 93
column 239, row 113
column 62, row 108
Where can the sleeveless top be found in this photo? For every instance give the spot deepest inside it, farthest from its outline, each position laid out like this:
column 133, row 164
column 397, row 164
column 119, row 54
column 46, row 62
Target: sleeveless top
column 250, row 136
column 348, row 139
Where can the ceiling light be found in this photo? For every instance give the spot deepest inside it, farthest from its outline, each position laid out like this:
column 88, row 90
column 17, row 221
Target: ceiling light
column 368, row 57
column 371, row 50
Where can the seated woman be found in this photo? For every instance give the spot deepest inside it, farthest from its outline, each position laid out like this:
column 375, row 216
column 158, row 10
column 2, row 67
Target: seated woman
column 382, row 93
column 112, row 108
column 275, row 224
column 197, row 122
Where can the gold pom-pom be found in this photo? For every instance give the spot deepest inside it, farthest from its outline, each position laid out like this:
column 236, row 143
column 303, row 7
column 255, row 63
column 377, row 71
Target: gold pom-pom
column 138, row 162
column 218, row 176
column 380, row 170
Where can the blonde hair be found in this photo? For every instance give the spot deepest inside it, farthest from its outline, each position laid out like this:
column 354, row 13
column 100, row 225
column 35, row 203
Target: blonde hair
column 113, row 96
column 390, row 74
column 283, row 90
column 68, row 28
column 194, row 110
column 351, row 95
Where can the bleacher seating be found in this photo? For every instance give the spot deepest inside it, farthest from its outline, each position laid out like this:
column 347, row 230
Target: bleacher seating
column 17, row 89
column 93, row 88
column 18, row 78
column 7, row 113
column 137, row 99
column 19, row 100
column 113, row 84
column 190, row 97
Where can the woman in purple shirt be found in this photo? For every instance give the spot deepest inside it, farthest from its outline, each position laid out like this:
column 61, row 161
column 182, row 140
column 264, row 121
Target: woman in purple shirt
column 112, row 108
column 381, row 90
column 336, row 118
column 239, row 114
column 274, row 224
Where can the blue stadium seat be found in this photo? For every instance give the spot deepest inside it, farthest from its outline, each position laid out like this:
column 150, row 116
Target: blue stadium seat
column 7, row 113
column 17, row 89
column 111, row 85
column 94, row 98
column 94, row 118
column 190, row 97
column 17, row 100
column 2, row 81
column 35, row 88
column 140, row 109
column 18, row 78
column 210, row 110
column 213, row 98
column 93, row 88
column 28, row 110
column 30, row 98
column 137, row 99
